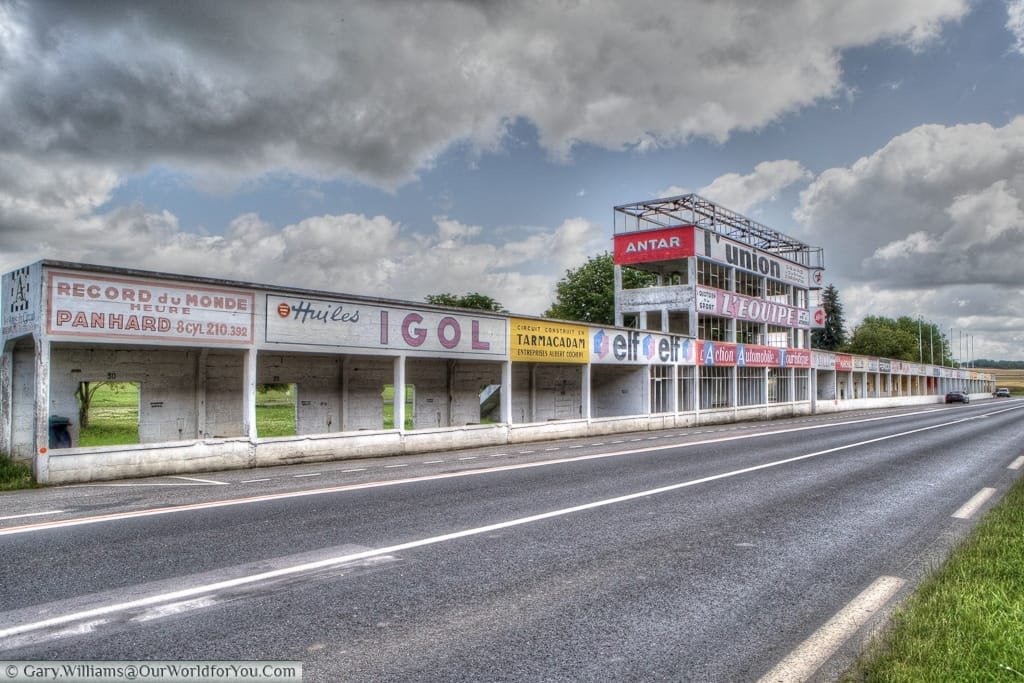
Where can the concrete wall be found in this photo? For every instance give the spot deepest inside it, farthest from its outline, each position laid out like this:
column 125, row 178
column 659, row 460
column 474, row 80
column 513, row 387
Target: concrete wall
column 23, row 392
column 447, row 393
column 363, row 383
column 617, row 390
column 542, row 392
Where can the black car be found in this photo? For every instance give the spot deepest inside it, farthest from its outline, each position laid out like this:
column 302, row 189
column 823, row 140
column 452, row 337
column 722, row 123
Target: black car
column 957, row 397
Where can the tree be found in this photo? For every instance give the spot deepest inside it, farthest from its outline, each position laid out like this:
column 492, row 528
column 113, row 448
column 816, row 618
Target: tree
column 480, row 302
column 833, row 336
column 880, row 336
column 906, row 338
column 587, row 293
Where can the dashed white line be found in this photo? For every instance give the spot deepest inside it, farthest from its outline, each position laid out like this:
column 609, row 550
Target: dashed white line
column 356, row 469
column 390, row 467
column 202, row 481
column 1017, row 464
column 312, row 474
column 253, row 481
column 469, row 457
column 802, row 662
column 32, row 514
column 577, row 446
column 526, row 452
column 968, row 509
column 432, row 462
column 548, row 450
column 496, row 455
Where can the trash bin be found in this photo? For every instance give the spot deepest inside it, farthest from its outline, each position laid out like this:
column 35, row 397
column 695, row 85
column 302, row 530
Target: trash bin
column 60, row 437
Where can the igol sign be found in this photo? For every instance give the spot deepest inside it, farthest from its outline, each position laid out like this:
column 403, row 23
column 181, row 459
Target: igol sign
column 348, row 324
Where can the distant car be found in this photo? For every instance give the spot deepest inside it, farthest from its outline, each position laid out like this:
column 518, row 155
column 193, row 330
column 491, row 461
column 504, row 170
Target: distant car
column 957, row 397
column 1002, row 392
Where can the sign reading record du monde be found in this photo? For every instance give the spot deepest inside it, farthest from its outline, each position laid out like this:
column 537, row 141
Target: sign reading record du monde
column 339, row 323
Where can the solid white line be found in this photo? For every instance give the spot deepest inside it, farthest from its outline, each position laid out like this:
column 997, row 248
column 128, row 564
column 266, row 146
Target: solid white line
column 968, row 509
column 202, row 481
column 802, row 662
column 1016, row 464
column 486, row 470
column 32, row 514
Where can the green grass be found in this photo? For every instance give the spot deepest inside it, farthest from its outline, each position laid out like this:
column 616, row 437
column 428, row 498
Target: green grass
column 966, row 622
column 275, row 412
column 113, row 416
column 388, row 396
column 15, row 475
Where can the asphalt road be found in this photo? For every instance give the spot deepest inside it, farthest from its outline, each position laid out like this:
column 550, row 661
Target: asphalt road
column 707, row 554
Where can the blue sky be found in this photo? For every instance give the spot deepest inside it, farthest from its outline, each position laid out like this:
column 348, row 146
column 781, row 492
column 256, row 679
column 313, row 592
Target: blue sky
column 400, row 149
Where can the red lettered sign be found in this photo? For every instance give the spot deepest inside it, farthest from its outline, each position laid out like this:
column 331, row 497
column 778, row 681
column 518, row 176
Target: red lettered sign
column 654, row 245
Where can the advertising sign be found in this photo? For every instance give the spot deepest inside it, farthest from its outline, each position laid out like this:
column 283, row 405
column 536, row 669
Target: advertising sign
column 750, row 356
column 739, row 307
column 639, row 347
column 346, row 324
column 818, row 317
column 19, row 292
column 745, row 257
column 115, row 308
column 884, row 365
column 872, row 365
column 712, row 353
column 538, row 341
column 824, row 360
column 797, row 358
column 844, row 362
column 860, row 363
column 654, row 245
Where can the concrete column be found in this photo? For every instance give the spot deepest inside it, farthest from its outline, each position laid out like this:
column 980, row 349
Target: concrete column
column 41, row 455
column 249, row 395
column 6, row 400
column 674, row 400
column 585, row 391
column 618, row 302
column 733, row 394
column 506, row 392
column 398, row 400
column 764, row 386
column 200, row 395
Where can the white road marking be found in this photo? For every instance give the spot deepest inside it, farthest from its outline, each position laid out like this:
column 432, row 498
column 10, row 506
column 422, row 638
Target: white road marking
column 488, row 470
column 556, row 448
column 432, row 462
column 175, row 608
column 968, row 509
column 356, row 469
column 1016, row 464
column 577, row 446
column 469, row 457
column 253, row 481
column 202, row 481
column 32, row 514
column 312, row 474
column 390, row 467
column 802, row 662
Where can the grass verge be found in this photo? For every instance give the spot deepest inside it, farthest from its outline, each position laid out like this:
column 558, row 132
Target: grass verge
column 15, row 475
column 966, row 622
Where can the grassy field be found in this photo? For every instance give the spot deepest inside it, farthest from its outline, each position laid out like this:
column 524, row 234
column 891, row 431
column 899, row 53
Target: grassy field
column 1011, row 379
column 14, row 475
column 113, row 416
column 965, row 623
column 275, row 411
column 389, row 406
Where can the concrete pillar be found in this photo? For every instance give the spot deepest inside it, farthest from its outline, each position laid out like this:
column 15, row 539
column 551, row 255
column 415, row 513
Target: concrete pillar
column 6, row 400
column 41, row 455
column 506, row 392
column 249, row 395
column 398, row 400
column 673, row 403
column 585, row 391
column 200, row 394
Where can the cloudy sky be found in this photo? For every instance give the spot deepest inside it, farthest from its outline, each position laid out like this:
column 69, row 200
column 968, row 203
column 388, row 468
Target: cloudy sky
column 406, row 148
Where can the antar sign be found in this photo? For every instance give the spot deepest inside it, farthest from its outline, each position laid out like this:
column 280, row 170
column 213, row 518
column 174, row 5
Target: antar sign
column 654, row 245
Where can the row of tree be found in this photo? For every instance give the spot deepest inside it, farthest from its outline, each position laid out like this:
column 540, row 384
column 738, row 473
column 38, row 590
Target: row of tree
column 587, row 294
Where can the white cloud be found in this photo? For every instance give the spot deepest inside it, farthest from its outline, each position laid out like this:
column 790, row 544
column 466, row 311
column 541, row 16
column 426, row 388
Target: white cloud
column 933, row 224
column 741, row 192
column 375, row 91
column 1015, row 23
